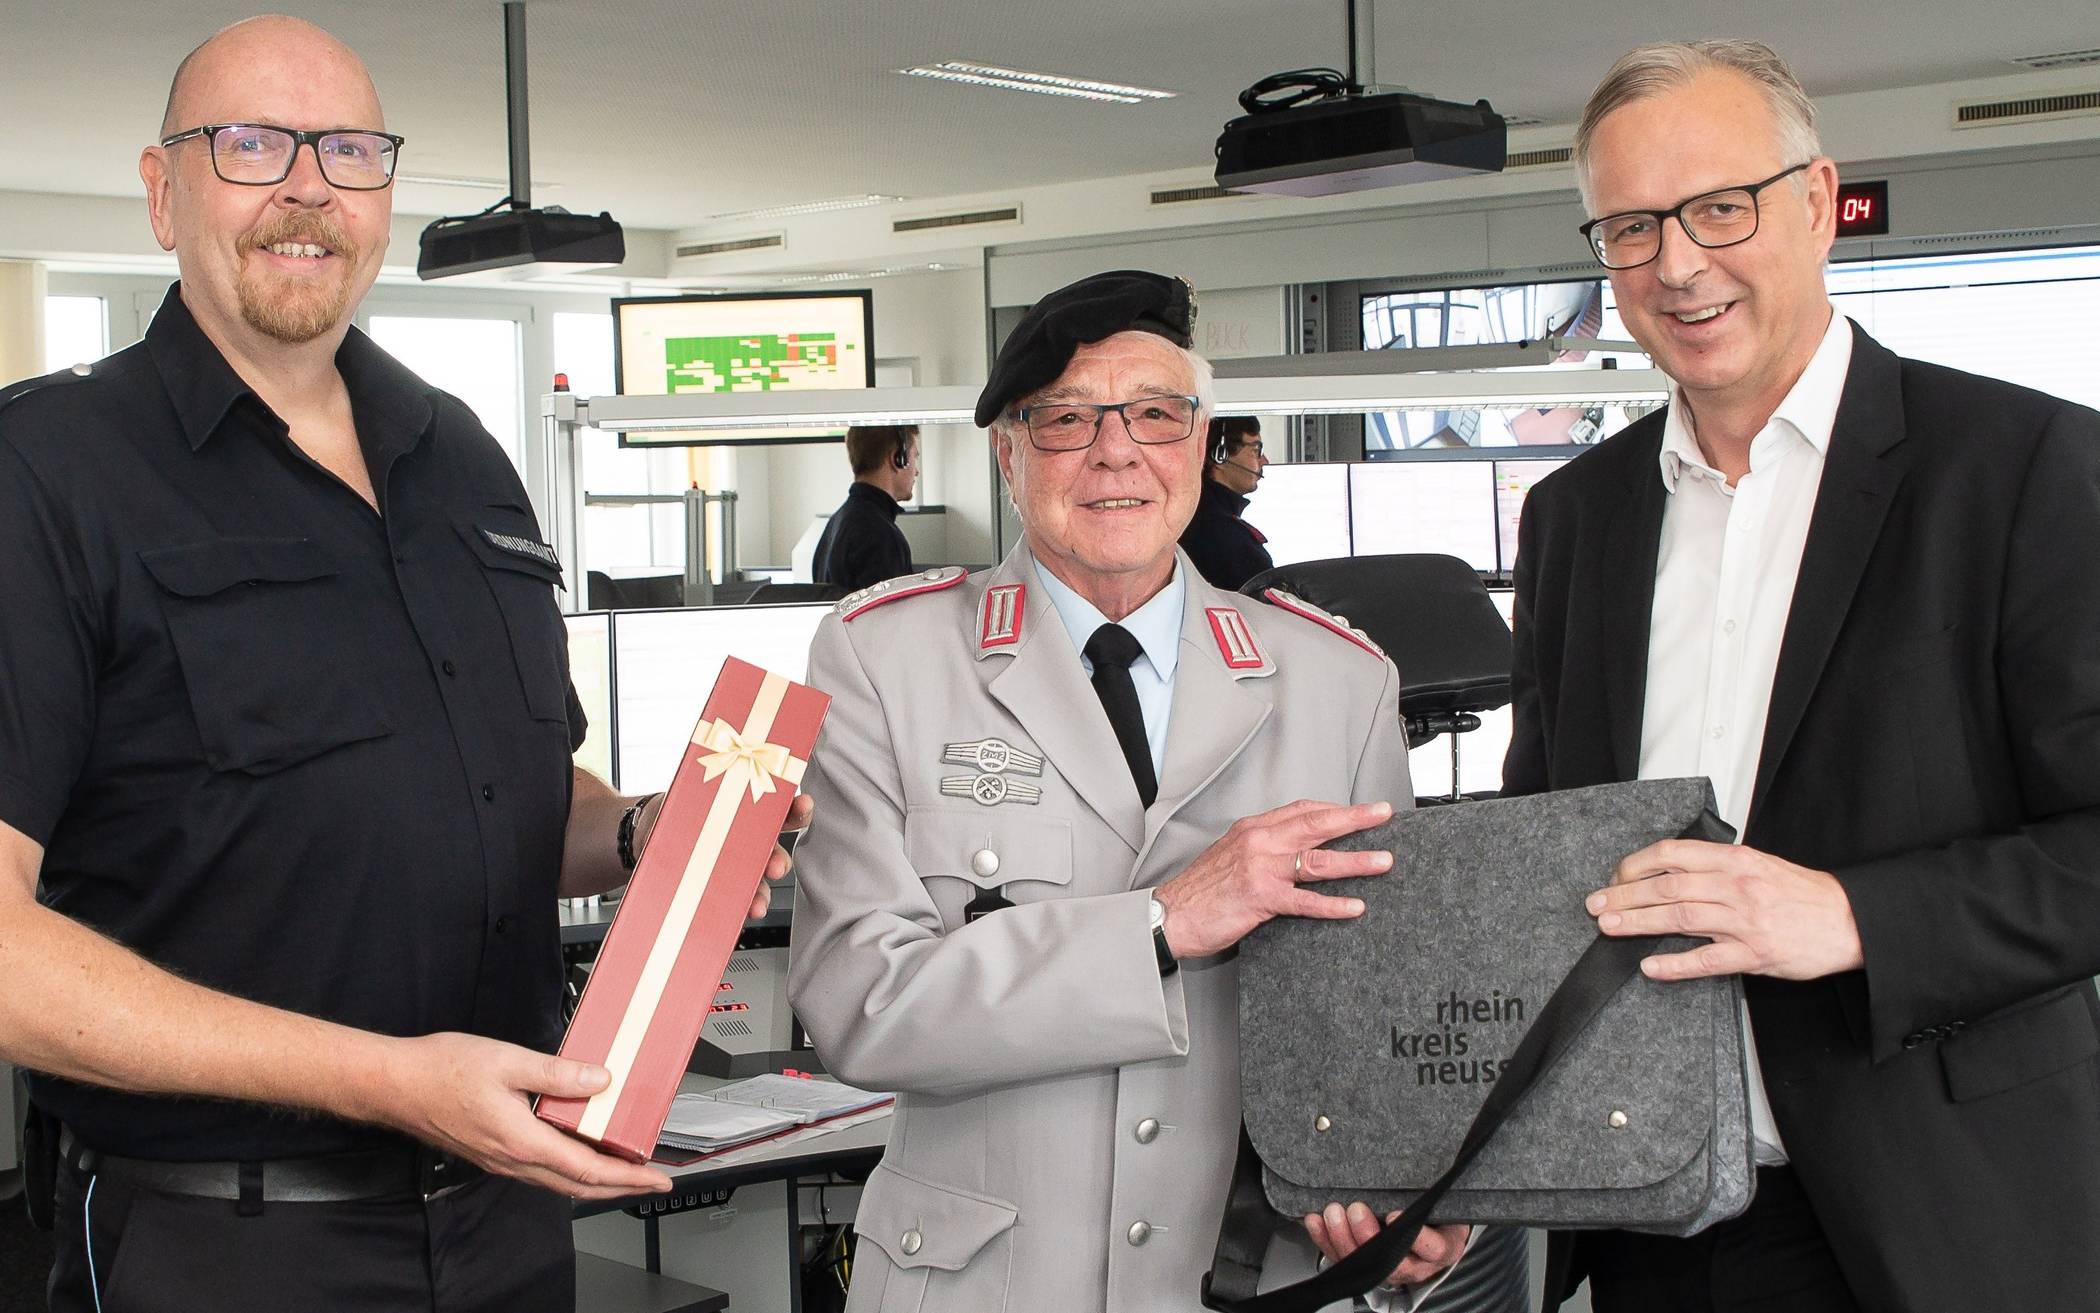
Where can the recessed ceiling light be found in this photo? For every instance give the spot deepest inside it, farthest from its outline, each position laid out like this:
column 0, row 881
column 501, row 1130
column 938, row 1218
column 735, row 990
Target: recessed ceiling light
column 1048, row 84
column 809, row 207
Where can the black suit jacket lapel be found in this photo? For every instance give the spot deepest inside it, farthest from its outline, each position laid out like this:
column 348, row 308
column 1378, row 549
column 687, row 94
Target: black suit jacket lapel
column 1864, row 466
column 1626, row 587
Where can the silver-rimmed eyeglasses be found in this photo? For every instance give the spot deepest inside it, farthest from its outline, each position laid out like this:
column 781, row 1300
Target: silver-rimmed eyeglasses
column 261, row 154
column 1712, row 219
column 1074, row 425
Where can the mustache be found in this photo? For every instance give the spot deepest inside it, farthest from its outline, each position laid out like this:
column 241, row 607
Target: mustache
column 305, row 227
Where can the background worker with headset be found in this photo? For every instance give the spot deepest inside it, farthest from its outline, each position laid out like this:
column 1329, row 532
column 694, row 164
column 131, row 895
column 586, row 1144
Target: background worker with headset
column 1227, row 550
column 862, row 544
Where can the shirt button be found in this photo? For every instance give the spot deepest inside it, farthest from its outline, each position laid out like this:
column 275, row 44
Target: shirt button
column 1720, row 731
column 1728, row 626
column 1140, row 1232
column 984, row 862
column 449, row 668
column 488, row 793
column 910, row 1242
column 1148, row 1130
column 400, row 559
column 503, row 924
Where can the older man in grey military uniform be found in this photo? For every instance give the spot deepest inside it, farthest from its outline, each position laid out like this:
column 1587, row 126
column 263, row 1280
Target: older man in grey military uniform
column 1017, row 899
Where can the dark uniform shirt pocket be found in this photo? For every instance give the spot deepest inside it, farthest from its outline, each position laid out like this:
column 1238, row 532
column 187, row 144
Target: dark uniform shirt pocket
column 265, row 640
column 522, row 573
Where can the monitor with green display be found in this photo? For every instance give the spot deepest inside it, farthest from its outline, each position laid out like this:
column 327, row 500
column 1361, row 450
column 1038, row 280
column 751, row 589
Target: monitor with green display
column 750, row 342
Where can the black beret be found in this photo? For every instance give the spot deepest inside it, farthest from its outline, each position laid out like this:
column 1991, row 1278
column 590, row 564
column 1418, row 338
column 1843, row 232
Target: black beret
column 1043, row 343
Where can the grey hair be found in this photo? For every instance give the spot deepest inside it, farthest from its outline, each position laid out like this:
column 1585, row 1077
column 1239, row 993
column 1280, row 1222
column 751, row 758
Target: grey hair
column 1205, row 387
column 1663, row 66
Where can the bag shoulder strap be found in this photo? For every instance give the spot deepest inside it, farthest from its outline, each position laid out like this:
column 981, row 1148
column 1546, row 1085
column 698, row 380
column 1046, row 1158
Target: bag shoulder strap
column 1243, row 1236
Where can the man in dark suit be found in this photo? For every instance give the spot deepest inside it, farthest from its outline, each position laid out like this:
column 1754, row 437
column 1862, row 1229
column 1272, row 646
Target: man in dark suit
column 863, row 545
column 1226, row 550
column 1859, row 594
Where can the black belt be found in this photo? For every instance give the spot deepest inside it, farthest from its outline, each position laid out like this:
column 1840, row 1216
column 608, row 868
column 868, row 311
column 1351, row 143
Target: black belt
column 399, row 1171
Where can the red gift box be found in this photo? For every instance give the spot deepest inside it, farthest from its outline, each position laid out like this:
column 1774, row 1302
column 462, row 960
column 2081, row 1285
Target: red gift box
column 663, row 957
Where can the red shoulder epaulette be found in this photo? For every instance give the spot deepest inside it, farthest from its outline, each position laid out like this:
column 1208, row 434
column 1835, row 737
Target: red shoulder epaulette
column 867, row 599
column 1337, row 625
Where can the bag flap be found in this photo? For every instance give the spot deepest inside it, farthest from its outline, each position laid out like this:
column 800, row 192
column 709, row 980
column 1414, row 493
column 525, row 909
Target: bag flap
column 1459, row 946
column 203, row 569
column 920, row 1224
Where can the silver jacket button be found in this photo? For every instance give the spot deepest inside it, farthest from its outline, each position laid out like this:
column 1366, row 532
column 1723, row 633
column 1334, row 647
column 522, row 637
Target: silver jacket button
column 1140, row 1232
column 985, row 863
column 1148, row 1130
column 910, row 1242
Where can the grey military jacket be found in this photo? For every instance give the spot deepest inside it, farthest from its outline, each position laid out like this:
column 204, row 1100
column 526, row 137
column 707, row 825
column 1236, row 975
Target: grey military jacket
column 1066, row 1118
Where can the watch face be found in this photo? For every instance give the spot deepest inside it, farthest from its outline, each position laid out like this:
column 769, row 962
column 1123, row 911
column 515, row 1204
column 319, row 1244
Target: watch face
column 1157, row 912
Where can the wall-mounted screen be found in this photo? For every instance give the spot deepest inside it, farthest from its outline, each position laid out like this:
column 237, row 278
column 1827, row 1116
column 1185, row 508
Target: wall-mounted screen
column 1303, row 511
column 1513, row 480
column 756, row 342
column 667, row 661
column 591, row 672
column 1445, row 506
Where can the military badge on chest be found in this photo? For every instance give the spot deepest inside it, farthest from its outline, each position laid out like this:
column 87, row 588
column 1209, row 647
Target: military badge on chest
column 997, row 763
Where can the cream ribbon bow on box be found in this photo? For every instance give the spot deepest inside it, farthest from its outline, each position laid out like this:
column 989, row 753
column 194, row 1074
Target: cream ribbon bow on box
column 747, row 761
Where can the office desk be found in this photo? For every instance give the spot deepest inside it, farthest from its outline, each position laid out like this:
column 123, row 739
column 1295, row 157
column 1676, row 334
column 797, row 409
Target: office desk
column 816, row 1151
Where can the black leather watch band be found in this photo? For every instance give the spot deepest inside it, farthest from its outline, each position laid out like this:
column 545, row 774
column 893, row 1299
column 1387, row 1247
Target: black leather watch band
column 1168, row 964
column 628, row 820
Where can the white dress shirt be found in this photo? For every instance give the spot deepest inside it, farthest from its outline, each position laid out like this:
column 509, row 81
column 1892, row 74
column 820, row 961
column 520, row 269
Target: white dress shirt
column 1724, row 583
column 1156, row 626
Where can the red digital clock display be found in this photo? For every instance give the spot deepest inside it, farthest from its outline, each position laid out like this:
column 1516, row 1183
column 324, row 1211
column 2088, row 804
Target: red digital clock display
column 1862, row 209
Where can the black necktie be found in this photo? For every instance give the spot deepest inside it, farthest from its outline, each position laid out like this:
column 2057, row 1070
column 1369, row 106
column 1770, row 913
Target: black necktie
column 1111, row 650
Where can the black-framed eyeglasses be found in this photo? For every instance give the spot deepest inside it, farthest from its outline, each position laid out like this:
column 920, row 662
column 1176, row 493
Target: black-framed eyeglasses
column 1074, row 425
column 261, row 154
column 1712, row 219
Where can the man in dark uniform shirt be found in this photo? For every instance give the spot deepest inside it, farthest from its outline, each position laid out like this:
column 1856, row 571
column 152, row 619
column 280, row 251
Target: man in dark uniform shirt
column 863, row 545
column 286, row 793
column 1227, row 550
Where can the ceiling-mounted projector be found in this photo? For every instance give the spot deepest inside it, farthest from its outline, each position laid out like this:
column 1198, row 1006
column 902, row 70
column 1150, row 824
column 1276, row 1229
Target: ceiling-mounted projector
column 1357, row 142
column 508, row 237
column 511, row 232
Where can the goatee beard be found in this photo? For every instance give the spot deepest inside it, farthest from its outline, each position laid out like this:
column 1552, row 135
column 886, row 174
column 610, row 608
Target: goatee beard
column 290, row 312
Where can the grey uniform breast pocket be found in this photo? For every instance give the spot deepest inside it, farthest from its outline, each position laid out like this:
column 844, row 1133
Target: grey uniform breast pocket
column 960, row 853
column 264, row 636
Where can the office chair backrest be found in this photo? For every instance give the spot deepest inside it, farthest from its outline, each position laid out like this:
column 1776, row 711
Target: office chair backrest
column 1430, row 613
column 775, row 593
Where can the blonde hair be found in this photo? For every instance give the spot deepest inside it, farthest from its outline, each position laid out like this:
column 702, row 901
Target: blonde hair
column 1663, row 66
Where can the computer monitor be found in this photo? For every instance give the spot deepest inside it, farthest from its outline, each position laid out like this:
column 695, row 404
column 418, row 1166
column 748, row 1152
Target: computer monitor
column 750, row 342
column 591, row 672
column 1513, row 480
column 665, row 663
column 1445, row 506
column 1303, row 511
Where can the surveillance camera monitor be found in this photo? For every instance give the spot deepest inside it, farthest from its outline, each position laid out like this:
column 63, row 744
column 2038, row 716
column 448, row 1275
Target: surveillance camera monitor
column 751, row 342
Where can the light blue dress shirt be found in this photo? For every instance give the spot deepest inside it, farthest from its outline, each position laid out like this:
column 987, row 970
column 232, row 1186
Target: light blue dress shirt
column 1156, row 626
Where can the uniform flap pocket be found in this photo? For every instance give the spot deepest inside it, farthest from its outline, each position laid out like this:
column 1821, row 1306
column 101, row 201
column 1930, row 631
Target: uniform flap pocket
column 2013, row 1048
column 920, row 1224
column 207, row 568
column 505, row 538
column 987, row 846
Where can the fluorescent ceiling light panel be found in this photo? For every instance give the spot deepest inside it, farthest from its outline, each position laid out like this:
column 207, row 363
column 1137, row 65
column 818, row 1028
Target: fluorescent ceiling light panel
column 1048, row 84
column 809, row 207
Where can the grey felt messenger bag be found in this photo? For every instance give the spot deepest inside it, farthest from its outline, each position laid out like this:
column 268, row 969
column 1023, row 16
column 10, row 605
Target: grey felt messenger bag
column 1470, row 1049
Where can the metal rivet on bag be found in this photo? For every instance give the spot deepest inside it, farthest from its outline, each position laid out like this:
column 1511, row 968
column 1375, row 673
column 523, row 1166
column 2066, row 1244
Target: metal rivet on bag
column 1322, row 1123
column 1617, row 1120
